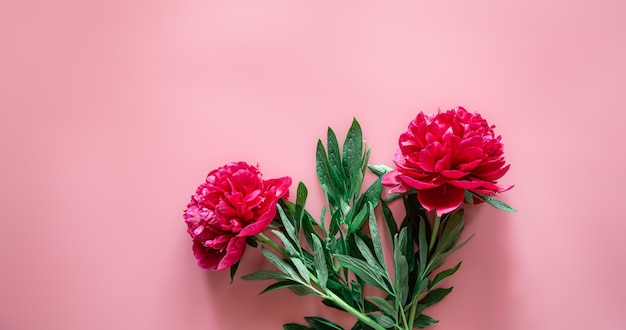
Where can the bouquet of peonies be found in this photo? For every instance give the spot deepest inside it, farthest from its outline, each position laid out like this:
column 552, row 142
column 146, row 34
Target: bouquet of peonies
column 442, row 162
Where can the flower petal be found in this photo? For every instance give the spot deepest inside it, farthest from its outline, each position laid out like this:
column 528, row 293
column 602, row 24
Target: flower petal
column 234, row 252
column 443, row 199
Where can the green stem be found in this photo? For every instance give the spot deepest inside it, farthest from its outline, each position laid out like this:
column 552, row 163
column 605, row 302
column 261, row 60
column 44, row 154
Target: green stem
column 351, row 310
column 433, row 236
column 414, row 304
column 261, row 237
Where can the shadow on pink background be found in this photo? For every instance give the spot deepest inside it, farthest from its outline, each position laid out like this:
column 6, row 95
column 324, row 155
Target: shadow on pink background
column 112, row 112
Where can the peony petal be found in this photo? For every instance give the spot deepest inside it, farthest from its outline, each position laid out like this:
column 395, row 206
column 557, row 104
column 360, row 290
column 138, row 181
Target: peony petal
column 453, row 174
column 261, row 223
column 443, row 199
column 234, row 252
column 281, row 184
column 206, row 258
column 408, row 181
column 465, row 184
column 390, row 179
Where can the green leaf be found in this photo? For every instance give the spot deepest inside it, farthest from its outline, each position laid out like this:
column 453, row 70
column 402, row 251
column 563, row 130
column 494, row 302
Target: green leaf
column 351, row 155
column 379, row 170
column 392, row 197
column 375, row 235
column 392, row 226
column 334, row 158
column 251, row 240
column 324, row 175
column 301, row 290
column 289, row 247
column 369, row 257
column 383, row 320
column 363, row 270
column 500, row 205
column 435, row 296
column 383, row 305
column 422, row 321
column 372, row 195
column 439, row 277
column 263, row 274
column 361, row 174
column 422, row 246
column 319, row 256
column 233, row 271
column 401, row 272
column 321, row 323
column 289, row 228
column 304, row 272
column 335, row 220
column 307, row 226
column 280, row 285
column 451, row 231
column 301, row 195
column 280, row 264
column 358, row 221
column 295, row 326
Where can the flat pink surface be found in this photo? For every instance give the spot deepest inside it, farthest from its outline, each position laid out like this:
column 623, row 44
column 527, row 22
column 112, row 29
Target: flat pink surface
column 112, row 112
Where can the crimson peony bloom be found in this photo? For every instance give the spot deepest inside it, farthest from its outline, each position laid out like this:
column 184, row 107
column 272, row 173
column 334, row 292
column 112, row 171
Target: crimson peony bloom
column 233, row 203
column 443, row 155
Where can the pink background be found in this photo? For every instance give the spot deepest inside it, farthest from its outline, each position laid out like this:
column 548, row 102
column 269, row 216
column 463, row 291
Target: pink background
column 112, row 112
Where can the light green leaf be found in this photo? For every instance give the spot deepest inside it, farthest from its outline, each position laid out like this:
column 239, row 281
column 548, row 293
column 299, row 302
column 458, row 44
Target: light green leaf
column 375, row 235
column 383, row 305
column 301, row 195
column 280, row 264
column 319, row 256
column 401, row 271
column 289, row 228
column 383, row 320
column 379, row 170
column 263, row 274
column 324, row 174
column 289, row 247
column 363, row 270
column 334, row 158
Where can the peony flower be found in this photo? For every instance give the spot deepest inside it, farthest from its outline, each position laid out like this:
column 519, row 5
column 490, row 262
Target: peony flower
column 233, row 203
column 443, row 155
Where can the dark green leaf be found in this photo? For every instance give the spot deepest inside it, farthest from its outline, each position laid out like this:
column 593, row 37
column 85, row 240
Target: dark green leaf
column 301, row 290
column 250, row 240
column 319, row 256
column 451, row 232
column 422, row 321
column 392, row 226
column 434, row 296
column 334, row 223
column 319, row 323
column 439, row 277
column 422, row 246
column 301, row 195
column 233, row 271
column 372, row 195
column 401, row 272
column 280, row 285
column 392, row 197
column 295, row 326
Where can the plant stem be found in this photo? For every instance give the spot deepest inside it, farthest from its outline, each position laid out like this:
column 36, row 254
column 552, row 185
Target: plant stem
column 414, row 304
column 433, row 236
column 271, row 243
column 330, row 295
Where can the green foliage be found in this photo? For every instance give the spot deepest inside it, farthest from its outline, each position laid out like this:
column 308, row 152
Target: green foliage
column 338, row 256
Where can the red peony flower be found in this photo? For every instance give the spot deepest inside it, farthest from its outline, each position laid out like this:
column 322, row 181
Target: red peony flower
column 232, row 204
column 441, row 156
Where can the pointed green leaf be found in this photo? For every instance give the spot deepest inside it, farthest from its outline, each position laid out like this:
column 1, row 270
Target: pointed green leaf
column 263, row 274
column 351, row 155
column 280, row 264
column 383, row 320
column 500, row 205
column 383, row 305
column 358, row 220
column 319, row 323
column 334, row 157
column 422, row 246
column 301, row 290
column 289, row 247
column 319, row 256
column 324, row 175
column 289, row 228
column 369, row 257
column 451, row 232
column 375, row 235
column 439, row 277
column 363, row 270
column 379, row 170
column 295, row 326
column 301, row 195
column 392, row 226
column 280, row 285
column 435, row 296
column 422, row 321
column 233, row 271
